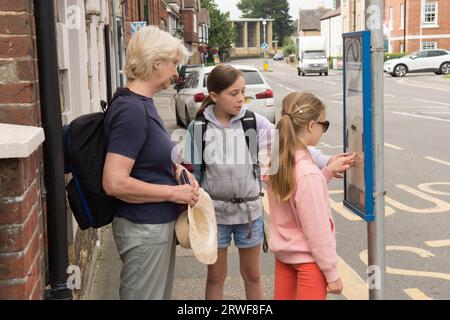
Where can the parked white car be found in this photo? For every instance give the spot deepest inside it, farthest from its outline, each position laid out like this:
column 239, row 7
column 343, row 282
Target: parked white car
column 437, row 61
column 259, row 95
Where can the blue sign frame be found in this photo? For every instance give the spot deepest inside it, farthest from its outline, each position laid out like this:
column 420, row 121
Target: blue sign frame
column 367, row 213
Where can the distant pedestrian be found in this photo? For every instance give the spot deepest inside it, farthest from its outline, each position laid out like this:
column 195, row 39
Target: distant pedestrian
column 302, row 234
column 139, row 169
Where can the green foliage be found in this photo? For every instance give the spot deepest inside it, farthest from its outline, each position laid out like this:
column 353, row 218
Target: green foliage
column 274, row 9
column 393, row 55
column 288, row 47
column 221, row 32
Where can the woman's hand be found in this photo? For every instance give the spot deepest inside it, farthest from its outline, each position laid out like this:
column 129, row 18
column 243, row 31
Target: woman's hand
column 184, row 194
column 193, row 182
column 335, row 287
column 340, row 163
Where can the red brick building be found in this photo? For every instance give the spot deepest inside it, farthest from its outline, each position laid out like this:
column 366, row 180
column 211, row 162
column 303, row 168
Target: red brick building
column 418, row 24
column 22, row 208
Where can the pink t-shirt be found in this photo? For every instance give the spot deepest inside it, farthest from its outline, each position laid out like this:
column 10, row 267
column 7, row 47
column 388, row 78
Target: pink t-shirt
column 301, row 230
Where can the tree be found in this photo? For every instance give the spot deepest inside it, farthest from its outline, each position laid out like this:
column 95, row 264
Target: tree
column 274, row 9
column 221, row 32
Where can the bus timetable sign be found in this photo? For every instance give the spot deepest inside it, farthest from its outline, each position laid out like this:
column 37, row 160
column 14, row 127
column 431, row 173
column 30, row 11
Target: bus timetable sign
column 358, row 180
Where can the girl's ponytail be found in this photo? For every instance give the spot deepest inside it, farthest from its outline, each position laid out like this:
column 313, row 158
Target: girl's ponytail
column 204, row 105
column 283, row 182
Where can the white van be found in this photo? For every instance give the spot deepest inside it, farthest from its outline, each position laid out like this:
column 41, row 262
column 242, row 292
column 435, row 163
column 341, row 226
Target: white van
column 312, row 55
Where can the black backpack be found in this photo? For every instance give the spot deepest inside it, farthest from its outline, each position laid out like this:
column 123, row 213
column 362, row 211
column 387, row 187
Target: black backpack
column 85, row 148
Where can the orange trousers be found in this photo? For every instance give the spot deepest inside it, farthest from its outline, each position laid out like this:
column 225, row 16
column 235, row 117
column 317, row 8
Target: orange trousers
column 303, row 281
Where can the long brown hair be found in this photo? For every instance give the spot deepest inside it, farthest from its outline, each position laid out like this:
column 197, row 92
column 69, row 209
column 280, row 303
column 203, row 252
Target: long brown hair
column 298, row 110
column 220, row 78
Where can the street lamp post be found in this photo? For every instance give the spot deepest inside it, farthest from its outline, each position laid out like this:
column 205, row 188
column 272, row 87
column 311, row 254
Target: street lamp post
column 264, row 30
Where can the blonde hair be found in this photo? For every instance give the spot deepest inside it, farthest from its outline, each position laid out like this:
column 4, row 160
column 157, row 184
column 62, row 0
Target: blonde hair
column 298, row 110
column 150, row 46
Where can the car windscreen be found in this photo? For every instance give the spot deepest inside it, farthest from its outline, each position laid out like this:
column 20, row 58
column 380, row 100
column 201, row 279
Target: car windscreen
column 314, row 55
column 251, row 77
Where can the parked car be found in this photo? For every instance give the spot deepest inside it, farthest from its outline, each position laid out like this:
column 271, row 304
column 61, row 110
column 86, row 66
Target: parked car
column 437, row 61
column 259, row 95
column 278, row 56
column 183, row 72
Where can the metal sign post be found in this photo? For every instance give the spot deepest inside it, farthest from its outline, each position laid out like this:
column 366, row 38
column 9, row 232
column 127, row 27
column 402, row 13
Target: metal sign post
column 376, row 246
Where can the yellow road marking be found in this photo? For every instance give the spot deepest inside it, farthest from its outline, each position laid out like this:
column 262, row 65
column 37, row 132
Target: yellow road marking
column 438, row 161
column 440, row 205
column 427, row 188
column 355, row 288
column 405, row 272
column 416, row 294
column 346, row 213
column 438, row 243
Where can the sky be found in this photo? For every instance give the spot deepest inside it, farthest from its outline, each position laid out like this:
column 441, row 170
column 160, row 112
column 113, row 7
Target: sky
column 294, row 6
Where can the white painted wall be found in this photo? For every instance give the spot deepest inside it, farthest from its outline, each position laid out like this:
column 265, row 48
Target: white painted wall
column 331, row 29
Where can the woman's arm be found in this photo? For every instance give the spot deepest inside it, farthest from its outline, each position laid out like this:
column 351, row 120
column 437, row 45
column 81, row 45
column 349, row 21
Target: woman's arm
column 118, row 183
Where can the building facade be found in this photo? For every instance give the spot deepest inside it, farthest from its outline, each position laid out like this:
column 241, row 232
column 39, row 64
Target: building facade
column 417, row 24
column 250, row 35
column 331, row 30
column 91, row 37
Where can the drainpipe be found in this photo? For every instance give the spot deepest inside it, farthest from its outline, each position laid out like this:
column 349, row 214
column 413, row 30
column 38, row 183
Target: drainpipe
column 53, row 151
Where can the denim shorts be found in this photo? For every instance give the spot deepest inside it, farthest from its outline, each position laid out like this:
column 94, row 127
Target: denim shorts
column 240, row 233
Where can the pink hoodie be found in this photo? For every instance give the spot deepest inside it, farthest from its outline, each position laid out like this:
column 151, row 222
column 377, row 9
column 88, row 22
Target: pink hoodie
column 301, row 230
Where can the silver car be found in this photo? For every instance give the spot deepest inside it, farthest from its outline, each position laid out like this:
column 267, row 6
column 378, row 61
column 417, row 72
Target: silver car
column 259, row 95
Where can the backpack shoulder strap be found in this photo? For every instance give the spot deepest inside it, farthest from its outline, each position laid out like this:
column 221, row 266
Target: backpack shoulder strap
column 249, row 122
column 200, row 126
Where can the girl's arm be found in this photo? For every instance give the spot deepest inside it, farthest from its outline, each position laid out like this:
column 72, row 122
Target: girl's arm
column 318, row 157
column 312, row 211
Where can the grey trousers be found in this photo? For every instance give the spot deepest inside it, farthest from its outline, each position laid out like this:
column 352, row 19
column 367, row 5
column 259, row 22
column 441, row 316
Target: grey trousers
column 148, row 255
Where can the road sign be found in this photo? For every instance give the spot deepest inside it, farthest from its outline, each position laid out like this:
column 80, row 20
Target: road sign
column 264, row 46
column 358, row 180
column 136, row 26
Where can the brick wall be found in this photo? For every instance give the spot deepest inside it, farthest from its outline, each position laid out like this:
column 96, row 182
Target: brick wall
column 413, row 20
column 22, row 221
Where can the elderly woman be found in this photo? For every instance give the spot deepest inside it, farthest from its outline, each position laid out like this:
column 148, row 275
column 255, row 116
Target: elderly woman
column 139, row 169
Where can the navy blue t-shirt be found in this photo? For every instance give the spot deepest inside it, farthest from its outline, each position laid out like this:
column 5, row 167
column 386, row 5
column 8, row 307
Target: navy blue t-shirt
column 139, row 135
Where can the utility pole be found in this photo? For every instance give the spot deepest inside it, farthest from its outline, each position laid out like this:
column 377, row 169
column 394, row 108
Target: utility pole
column 374, row 14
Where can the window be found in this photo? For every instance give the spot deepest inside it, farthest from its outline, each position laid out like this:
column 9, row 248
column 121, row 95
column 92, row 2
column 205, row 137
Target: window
column 391, row 19
column 195, row 23
column 428, row 45
column 251, row 77
column 430, row 13
column 402, row 16
column 435, row 53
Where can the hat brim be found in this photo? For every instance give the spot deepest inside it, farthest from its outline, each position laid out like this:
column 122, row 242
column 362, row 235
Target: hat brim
column 203, row 229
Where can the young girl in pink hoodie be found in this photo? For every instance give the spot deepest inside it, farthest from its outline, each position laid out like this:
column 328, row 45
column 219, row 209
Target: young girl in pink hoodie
column 301, row 232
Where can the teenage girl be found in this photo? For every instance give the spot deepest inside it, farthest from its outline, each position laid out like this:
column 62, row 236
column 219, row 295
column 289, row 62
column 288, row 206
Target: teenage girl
column 301, row 232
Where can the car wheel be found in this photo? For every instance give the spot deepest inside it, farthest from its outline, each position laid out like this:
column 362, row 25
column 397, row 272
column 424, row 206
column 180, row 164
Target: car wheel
column 177, row 116
column 400, row 70
column 186, row 116
column 298, row 72
column 326, row 74
column 303, row 74
column 445, row 68
column 320, row 73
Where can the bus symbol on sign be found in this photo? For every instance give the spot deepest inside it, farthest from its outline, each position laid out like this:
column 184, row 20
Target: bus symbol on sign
column 264, row 46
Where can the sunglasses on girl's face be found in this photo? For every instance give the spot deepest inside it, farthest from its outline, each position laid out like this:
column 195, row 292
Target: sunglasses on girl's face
column 325, row 125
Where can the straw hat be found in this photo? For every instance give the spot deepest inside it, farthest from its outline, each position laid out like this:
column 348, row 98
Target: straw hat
column 196, row 229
